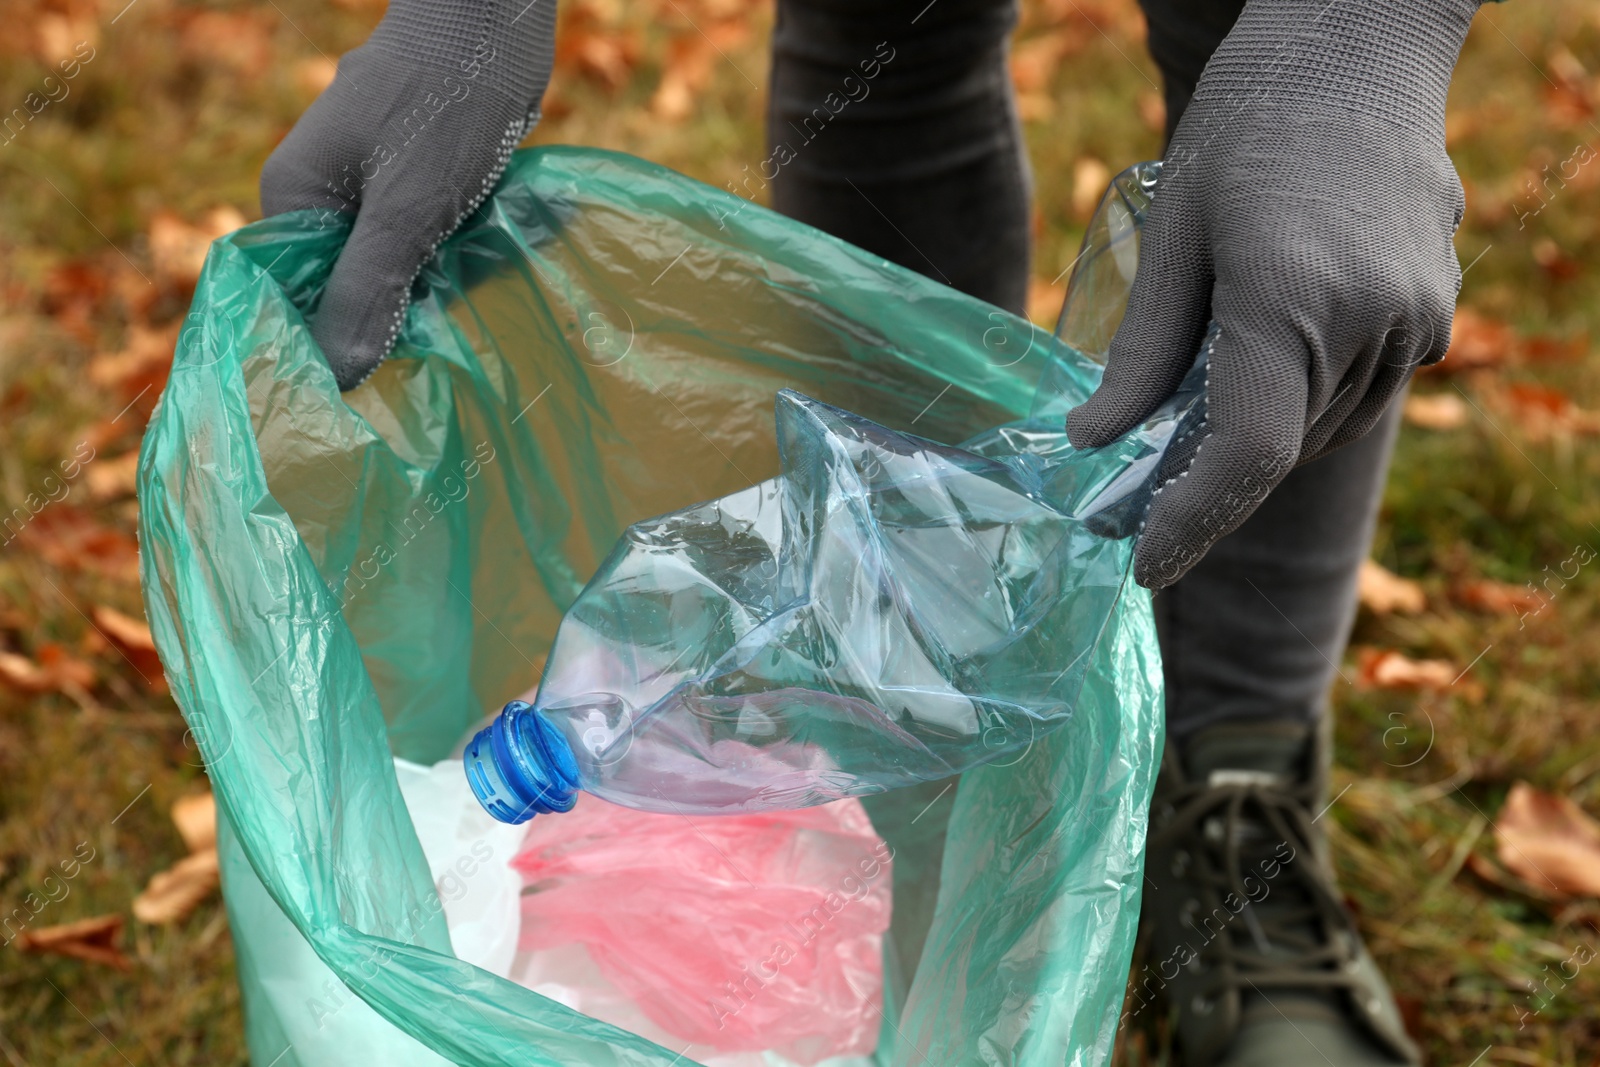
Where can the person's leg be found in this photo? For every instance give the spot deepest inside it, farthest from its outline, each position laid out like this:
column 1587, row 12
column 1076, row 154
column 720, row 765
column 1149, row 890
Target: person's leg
column 892, row 126
column 1182, row 34
column 1255, row 631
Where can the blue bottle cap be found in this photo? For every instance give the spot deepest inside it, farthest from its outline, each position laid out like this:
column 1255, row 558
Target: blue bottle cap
column 520, row 766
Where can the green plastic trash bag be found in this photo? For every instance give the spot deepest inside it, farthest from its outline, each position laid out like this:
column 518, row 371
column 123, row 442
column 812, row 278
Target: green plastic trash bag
column 336, row 580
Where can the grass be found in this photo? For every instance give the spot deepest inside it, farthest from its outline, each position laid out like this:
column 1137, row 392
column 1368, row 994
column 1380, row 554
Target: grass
column 180, row 105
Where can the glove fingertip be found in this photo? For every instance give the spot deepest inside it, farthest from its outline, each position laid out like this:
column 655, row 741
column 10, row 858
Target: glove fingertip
column 352, row 357
column 356, row 334
column 1092, row 425
column 1159, row 562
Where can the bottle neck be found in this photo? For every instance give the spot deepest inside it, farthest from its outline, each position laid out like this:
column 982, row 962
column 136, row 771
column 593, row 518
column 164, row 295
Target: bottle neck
column 521, row 766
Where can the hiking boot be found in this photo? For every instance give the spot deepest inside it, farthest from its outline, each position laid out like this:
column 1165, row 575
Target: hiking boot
column 1249, row 945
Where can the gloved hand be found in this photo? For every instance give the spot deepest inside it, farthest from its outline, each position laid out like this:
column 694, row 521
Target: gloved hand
column 411, row 136
column 1308, row 206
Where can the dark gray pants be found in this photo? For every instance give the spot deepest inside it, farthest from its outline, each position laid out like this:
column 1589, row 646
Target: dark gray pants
column 923, row 163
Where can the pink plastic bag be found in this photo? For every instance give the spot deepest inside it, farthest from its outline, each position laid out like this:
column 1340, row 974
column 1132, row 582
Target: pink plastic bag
column 740, row 933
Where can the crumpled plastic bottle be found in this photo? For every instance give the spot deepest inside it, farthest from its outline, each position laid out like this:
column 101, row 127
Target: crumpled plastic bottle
column 888, row 610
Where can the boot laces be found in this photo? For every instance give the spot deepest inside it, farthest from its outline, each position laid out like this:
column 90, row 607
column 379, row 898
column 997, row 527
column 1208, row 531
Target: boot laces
column 1291, row 931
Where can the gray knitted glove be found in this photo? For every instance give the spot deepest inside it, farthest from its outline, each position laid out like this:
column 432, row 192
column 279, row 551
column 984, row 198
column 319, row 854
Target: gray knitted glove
column 411, row 136
column 1307, row 205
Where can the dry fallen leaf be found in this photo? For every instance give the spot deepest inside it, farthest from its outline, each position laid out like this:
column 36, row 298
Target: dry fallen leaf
column 1383, row 592
column 108, row 437
column 178, row 890
column 240, row 40
column 1498, row 598
column 720, row 10
column 1539, row 400
column 1436, row 411
column 132, row 289
column 195, row 817
column 1477, row 341
column 22, row 673
column 1546, row 348
column 1153, row 110
column 592, row 45
column 1035, row 60
column 1568, row 68
column 124, row 629
column 147, row 356
column 1460, row 125
column 74, row 291
column 178, row 248
column 606, row 58
column 1089, row 180
column 314, row 74
column 59, row 35
column 55, row 670
column 1491, row 872
column 114, row 477
column 1543, row 413
column 1569, row 99
column 73, row 539
column 1382, row 668
column 687, row 70
column 94, row 940
column 1564, row 107
column 133, row 640
column 1549, row 842
column 1035, row 107
column 1554, row 261
column 15, row 620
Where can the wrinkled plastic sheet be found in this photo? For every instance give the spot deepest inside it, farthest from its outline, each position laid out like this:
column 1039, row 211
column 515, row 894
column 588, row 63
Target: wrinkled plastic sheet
column 334, row 580
column 744, row 933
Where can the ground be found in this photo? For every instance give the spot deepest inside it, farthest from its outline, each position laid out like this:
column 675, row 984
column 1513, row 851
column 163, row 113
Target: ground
column 150, row 134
